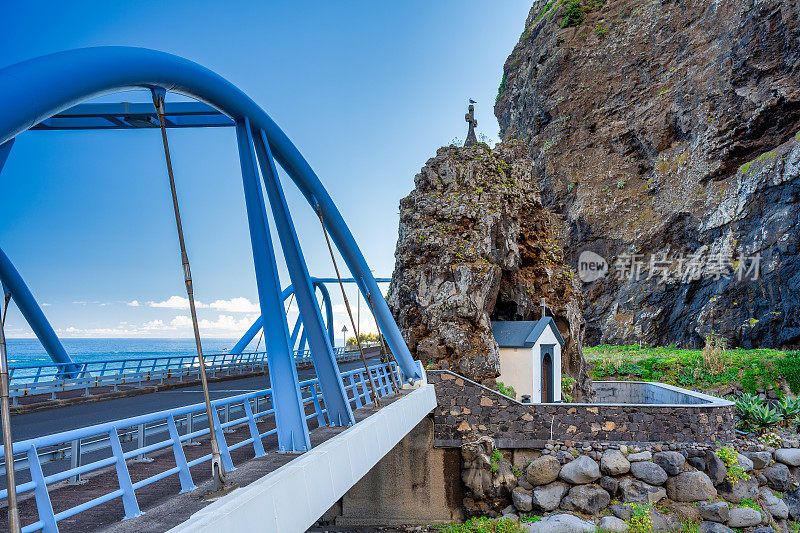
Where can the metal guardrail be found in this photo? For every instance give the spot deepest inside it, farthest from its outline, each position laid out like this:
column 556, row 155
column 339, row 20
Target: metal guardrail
column 251, row 407
column 28, row 380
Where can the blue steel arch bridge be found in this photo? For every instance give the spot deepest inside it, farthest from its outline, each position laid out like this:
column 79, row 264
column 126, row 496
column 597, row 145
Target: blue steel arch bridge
column 49, row 93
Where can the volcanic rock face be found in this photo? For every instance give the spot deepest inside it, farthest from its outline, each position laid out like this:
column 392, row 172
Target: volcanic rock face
column 666, row 130
column 475, row 244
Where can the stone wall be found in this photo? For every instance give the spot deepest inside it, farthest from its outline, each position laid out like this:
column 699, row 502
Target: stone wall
column 680, row 485
column 467, row 410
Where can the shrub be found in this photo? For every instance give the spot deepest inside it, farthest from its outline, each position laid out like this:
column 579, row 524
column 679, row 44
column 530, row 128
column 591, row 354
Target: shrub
column 772, row 440
column 640, row 521
column 506, row 391
column 573, row 15
column 789, row 408
column 494, row 461
column 731, row 460
column 745, row 406
column 567, row 384
column 764, row 417
column 714, row 354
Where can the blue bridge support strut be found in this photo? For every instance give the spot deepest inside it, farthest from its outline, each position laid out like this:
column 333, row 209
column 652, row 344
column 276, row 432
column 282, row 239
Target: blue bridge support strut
column 13, row 283
column 289, row 414
column 339, row 412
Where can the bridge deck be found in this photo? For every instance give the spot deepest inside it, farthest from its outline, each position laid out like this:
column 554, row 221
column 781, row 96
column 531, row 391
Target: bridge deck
column 190, row 512
column 291, row 498
column 162, row 505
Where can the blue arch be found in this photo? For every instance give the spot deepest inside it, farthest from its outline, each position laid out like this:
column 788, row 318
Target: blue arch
column 37, row 89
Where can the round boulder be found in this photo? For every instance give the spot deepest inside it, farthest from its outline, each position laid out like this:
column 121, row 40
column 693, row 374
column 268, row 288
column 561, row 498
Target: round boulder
column 714, row 527
column 714, row 511
column 778, row 477
column 588, row 499
column 521, row 499
column 788, row 456
column 613, row 524
column 635, row 491
column 547, row 497
column 543, row 470
column 774, row 505
column 761, row 460
column 649, row 472
column 560, row 523
column 745, row 462
column 580, row 471
column 690, row 487
column 614, row 463
column 744, row 517
column 671, row 462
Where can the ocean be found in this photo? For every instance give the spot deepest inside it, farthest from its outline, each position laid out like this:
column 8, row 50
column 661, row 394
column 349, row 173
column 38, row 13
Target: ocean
column 23, row 352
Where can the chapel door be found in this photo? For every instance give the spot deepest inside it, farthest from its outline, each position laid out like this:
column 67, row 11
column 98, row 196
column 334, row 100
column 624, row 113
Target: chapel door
column 547, row 374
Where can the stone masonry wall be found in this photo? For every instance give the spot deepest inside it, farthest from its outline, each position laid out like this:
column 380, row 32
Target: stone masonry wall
column 467, row 410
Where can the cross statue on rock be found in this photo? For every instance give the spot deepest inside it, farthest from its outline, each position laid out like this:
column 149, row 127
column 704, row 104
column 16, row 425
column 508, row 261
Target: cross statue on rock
column 470, row 118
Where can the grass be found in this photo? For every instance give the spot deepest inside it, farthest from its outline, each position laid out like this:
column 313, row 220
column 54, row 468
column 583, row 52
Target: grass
column 703, row 369
column 483, row 524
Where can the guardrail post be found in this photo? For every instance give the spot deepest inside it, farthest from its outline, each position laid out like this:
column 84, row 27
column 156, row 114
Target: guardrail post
column 43, row 504
column 129, row 503
column 75, row 462
column 356, row 392
column 190, row 429
column 223, row 445
column 228, row 418
column 258, row 446
column 140, row 442
column 317, row 406
column 184, row 475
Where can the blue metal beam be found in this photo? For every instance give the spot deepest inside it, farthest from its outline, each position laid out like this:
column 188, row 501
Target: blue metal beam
column 339, row 412
column 126, row 115
column 319, row 283
column 13, row 283
column 326, row 301
column 39, row 88
column 289, row 413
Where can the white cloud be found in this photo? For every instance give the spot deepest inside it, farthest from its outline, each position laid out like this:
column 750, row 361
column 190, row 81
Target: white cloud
column 178, row 326
column 232, row 305
column 235, row 305
column 176, row 302
column 134, row 303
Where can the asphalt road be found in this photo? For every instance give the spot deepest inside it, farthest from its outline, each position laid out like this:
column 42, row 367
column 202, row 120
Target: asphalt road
column 38, row 423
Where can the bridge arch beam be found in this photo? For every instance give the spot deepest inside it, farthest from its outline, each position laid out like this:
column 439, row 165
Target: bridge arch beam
column 39, row 88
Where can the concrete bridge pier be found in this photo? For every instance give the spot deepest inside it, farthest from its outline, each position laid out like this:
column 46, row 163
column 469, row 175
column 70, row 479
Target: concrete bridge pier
column 414, row 483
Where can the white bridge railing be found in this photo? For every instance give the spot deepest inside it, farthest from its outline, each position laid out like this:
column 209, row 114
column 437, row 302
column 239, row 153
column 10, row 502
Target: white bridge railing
column 53, row 378
column 112, row 445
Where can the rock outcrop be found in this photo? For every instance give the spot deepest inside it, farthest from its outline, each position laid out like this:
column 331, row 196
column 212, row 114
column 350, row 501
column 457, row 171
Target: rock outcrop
column 476, row 244
column 665, row 131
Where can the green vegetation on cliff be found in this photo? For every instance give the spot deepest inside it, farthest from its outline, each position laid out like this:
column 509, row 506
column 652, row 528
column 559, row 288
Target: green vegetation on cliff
column 706, row 369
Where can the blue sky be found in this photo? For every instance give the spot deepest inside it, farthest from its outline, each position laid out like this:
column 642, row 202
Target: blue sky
column 367, row 90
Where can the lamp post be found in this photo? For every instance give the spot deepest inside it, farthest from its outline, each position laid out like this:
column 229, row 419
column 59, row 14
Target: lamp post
column 344, row 336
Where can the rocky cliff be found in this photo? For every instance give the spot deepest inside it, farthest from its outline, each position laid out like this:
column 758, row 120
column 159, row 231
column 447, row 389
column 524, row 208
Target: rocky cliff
column 663, row 136
column 476, row 244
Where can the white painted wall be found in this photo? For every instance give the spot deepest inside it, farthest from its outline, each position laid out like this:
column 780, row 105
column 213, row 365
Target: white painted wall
column 516, row 370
